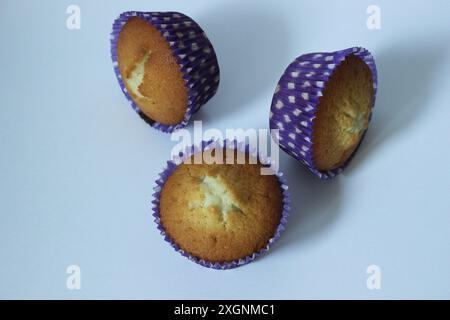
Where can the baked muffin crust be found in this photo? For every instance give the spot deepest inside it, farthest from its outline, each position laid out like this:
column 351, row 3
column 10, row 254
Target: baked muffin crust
column 150, row 72
column 343, row 114
column 220, row 212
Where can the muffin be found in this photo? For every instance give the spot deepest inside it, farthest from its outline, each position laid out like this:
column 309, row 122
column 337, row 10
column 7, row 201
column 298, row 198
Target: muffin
column 165, row 64
column 322, row 107
column 220, row 215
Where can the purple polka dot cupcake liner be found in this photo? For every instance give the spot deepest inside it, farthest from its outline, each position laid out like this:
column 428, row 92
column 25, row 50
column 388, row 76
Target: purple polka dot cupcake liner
column 193, row 52
column 210, row 145
column 296, row 100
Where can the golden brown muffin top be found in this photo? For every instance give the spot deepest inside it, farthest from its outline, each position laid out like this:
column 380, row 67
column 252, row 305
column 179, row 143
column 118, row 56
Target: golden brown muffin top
column 343, row 113
column 221, row 212
column 150, row 72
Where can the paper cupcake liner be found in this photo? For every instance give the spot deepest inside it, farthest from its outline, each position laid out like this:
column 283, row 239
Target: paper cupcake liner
column 296, row 99
column 209, row 145
column 193, row 52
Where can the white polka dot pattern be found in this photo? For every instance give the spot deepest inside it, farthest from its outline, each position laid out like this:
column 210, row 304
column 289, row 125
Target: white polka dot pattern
column 194, row 54
column 295, row 101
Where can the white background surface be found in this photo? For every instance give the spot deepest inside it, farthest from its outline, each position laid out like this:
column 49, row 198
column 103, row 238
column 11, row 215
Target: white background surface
column 77, row 165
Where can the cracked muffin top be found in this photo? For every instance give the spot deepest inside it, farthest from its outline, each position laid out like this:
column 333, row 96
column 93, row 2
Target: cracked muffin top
column 343, row 114
column 221, row 212
column 150, row 72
